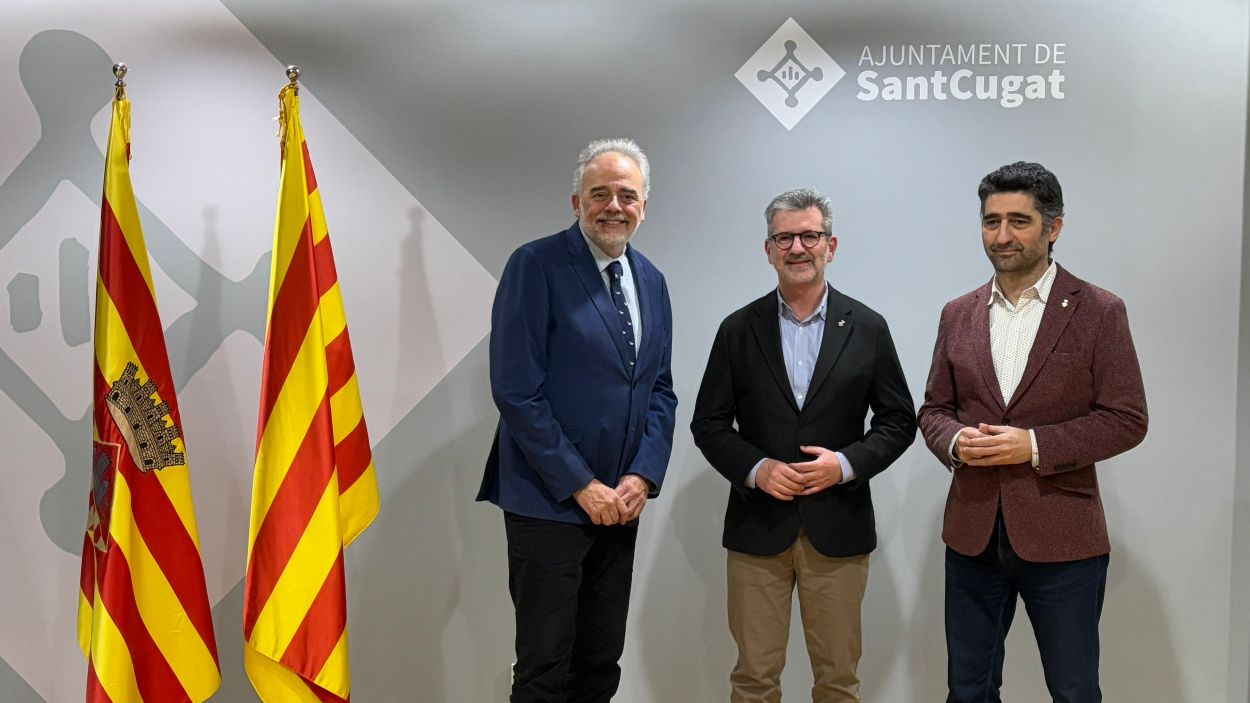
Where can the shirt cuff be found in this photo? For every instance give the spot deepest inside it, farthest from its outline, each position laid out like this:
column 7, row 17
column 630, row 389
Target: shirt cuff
column 848, row 471
column 950, row 451
column 754, row 470
column 1037, row 463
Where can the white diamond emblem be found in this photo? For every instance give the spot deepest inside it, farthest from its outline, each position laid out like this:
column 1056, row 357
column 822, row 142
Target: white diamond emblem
column 789, row 74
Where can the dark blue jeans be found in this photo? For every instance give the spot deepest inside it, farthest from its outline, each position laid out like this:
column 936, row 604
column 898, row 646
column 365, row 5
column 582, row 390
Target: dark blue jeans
column 1063, row 601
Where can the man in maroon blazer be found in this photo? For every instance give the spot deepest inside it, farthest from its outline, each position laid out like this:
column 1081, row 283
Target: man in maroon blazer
column 1034, row 380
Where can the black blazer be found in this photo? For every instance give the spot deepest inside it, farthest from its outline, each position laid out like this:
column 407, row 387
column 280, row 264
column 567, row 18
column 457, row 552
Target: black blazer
column 745, row 383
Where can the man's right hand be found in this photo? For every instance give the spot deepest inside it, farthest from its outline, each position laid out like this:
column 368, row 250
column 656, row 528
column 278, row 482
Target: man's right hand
column 778, row 480
column 963, row 442
column 604, row 505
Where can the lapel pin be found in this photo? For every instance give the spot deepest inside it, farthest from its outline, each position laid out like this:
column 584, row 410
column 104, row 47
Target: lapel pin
column 1064, row 303
column 841, row 323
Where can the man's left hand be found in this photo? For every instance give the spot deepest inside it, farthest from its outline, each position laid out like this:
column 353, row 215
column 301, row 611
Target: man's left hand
column 1001, row 445
column 633, row 489
column 820, row 473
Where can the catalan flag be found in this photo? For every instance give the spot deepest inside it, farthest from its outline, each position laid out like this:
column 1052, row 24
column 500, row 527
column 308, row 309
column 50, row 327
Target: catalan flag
column 144, row 620
column 314, row 488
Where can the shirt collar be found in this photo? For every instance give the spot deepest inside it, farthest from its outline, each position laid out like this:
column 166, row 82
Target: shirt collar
column 1042, row 286
column 784, row 309
column 601, row 259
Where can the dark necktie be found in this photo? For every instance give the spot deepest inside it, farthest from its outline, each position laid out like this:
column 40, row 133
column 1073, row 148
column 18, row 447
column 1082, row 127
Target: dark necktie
column 618, row 299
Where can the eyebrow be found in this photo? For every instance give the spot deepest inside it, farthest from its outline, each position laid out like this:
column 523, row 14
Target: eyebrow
column 625, row 189
column 1007, row 214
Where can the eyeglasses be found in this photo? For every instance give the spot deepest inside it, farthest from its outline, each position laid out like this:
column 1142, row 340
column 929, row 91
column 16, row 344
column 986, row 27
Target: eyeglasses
column 785, row 240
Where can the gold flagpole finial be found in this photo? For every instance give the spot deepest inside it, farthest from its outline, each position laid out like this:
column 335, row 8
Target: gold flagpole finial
column 119, row 88
column 292, row 87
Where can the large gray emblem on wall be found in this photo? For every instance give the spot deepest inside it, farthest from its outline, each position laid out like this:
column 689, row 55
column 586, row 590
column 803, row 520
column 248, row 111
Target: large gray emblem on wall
column 790, row 74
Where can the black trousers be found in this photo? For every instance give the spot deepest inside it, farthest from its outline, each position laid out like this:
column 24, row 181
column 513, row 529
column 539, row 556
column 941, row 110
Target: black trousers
column 570, row 588
column 1064, row 602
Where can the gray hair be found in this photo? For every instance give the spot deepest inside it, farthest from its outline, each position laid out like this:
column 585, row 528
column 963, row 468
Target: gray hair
column 800, row 199
column 621, row 145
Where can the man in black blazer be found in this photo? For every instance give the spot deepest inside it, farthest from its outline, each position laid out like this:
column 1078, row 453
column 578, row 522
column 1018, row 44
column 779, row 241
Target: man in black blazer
column 780, row 413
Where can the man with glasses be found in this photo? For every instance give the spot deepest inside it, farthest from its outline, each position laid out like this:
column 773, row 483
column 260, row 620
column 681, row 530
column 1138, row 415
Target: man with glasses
column 780, row 414
column 580, row 351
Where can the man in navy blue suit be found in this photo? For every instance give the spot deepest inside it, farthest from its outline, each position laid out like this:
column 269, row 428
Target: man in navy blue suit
column 579, row 368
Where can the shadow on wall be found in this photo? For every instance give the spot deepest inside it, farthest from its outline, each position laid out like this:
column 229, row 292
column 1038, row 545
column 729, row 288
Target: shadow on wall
column 902, row 638
column 414, row 302
column 1140, row 660
column 66, row 98
column 679, row 621
column 429, row 582
column 15, row 688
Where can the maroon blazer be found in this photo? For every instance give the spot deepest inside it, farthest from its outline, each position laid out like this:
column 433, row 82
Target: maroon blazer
column 1081, row 394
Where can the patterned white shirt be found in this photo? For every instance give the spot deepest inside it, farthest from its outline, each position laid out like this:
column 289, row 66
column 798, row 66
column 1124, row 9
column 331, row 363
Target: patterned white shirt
column 1014, row 327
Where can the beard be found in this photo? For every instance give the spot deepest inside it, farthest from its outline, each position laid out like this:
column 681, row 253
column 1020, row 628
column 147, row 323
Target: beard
column 607, row 238
column 1025, row 259
column 800, row 274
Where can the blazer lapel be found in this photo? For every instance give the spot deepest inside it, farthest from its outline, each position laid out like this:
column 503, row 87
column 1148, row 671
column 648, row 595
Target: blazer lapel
column 1063, row 301
column 838, row 326
column 767, row 330
column 583, row 263
column 981, row 348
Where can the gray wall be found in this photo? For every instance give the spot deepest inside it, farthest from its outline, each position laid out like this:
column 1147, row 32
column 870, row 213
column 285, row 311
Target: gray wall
column 444, row 134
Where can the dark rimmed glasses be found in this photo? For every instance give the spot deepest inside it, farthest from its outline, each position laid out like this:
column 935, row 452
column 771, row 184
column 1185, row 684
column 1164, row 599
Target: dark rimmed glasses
column 785, row 240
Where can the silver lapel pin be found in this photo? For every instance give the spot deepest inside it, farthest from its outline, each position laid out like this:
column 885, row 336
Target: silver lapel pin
column 1064, row 303
column 841, row 323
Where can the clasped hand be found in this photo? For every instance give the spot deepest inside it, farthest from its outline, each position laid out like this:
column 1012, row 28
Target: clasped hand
column 613, row 506
column 994, row 445
column 785, row 481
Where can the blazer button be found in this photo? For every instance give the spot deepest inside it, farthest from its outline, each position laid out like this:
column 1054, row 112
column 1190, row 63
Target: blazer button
column 1006, row 421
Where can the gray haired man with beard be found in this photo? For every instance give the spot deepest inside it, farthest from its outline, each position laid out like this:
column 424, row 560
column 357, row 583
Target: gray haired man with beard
column 580, row 350
column 780, row 414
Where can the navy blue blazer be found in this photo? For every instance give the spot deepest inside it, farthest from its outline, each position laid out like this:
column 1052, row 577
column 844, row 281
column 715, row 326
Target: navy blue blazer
column 571, row 407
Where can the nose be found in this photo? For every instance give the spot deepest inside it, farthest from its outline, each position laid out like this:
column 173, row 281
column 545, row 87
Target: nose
column 1002, row 234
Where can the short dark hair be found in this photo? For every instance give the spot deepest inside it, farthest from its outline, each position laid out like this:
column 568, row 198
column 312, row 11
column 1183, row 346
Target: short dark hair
column 1026, row 177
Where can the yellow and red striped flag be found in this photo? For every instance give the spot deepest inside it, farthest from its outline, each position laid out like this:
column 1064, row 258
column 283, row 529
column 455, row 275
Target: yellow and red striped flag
column 314, row 488
column 144, row 620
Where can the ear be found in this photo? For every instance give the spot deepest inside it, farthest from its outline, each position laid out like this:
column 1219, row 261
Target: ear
column 1055, row 226
column 833, row 245
column 577, row 210
column 642, row 211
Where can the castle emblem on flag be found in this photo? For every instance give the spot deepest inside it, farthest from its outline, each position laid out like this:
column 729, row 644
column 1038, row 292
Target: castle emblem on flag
column 142, row 422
